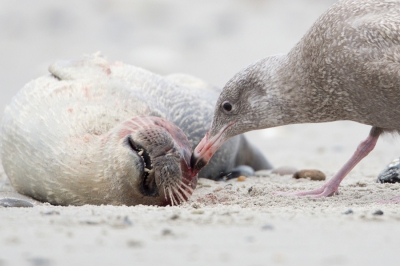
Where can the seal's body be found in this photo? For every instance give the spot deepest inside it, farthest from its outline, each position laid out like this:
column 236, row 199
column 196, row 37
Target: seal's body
column 95, row 132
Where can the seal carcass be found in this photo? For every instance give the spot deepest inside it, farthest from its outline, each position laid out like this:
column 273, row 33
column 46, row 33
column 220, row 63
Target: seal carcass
column 95, row 132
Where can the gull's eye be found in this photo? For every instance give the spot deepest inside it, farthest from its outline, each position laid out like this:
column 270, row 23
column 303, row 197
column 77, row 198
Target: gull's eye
column 227, row 106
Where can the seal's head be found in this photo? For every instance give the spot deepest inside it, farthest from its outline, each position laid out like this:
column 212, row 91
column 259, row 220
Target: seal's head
column 150, row 162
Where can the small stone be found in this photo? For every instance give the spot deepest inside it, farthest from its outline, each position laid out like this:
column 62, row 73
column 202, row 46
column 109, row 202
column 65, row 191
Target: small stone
column 174, row 217
column 250, row 189
column 127, row 222
column 39, row 262
column 267, row 227
column 195, row 205
column 134, row 244
column 312, row 174
column 166, row 232
column 261, row 173
column 50, row 213
column 197, row 212
column 349, row 211
column 90, row 222
column 378, row 212
column 284, row 170
column 241, row 178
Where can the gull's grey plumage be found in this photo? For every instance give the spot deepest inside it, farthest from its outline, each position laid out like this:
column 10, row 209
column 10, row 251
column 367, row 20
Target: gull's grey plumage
column 346, row 67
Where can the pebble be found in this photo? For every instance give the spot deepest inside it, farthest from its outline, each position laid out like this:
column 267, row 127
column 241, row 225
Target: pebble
column 127, row 221
column 284, row 170
column 267, row 227
column 134, row 244
column 261, row 173
column 378, row 212
column 174, row 217
column 241, row 178
column 50, row 213
column 349, row 211
column 197, row 212
column 166, row 232
column 312, row 174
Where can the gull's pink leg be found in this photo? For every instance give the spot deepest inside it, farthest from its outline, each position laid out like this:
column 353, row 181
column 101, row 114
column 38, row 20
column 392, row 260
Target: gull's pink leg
column 331, row 187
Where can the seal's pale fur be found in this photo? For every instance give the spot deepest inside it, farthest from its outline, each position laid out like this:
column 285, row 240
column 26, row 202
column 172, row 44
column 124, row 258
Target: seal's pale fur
column 64, row 134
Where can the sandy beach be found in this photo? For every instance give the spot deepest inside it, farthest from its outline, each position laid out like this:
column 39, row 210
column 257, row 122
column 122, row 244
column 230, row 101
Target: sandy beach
column 224, row 223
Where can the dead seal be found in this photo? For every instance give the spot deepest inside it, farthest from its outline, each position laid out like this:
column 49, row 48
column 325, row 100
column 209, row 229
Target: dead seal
column 95, row 132
column 346, row 67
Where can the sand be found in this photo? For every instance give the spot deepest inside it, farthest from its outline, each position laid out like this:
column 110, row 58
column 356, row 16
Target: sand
column 224, row 223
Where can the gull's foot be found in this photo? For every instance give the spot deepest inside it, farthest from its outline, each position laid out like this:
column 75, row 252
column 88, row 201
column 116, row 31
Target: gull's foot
column 394, row 200
column 324, row 191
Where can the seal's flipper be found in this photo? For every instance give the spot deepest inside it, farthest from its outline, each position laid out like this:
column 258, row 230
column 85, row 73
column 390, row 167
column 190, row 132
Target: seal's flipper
column 241, row 170
column 14, row 199
column 13, row 202
column 250, row 155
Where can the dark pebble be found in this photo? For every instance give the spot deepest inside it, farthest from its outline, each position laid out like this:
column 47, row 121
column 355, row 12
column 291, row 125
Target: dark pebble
column 127, row 221
column 134, row 244
column 378, row 212
column 51, row 213
column 391, row 174
column 267, row 227
column 349, row 211
column 311, row 174
column 90, row 222
column 39, row 262
column 166, row 232
column 175, row 217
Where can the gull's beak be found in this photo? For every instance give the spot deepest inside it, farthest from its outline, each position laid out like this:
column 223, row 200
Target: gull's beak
column 206, row 149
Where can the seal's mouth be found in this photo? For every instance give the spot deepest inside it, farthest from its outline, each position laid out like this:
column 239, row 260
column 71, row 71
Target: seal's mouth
column 148, row 184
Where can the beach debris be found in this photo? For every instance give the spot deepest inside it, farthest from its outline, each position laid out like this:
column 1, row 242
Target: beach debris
column 312, row 174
